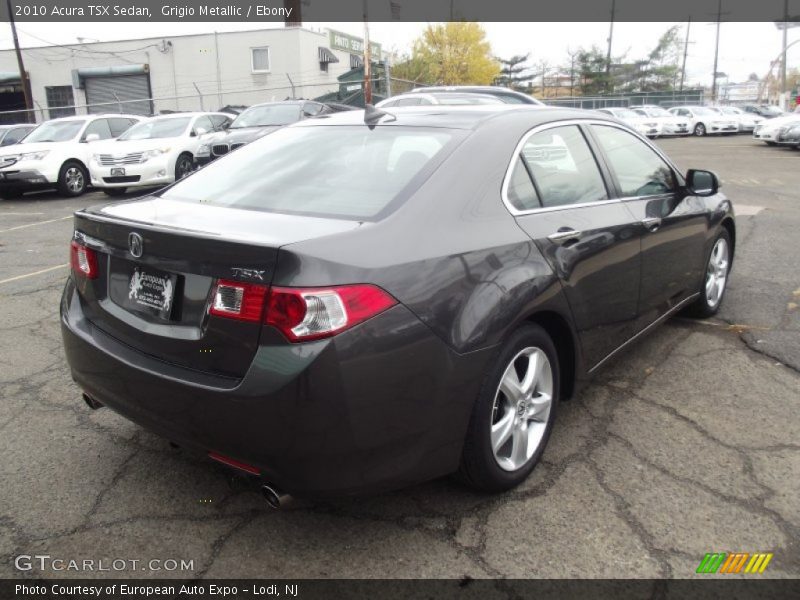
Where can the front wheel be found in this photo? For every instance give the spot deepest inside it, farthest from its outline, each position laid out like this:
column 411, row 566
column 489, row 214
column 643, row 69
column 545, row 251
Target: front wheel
column 513, row 414
column 700, row 130
column 718, row 266
column 183, row 166
column 72, row 179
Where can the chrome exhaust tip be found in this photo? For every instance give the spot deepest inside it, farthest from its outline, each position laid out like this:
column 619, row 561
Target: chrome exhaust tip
column 91, row 402
column 274, row 497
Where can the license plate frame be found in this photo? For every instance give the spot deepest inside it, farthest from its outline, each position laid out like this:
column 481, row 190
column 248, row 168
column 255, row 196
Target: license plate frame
column 151, row 292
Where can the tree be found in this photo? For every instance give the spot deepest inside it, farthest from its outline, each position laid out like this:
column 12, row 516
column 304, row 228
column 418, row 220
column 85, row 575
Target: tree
column 513, row 71
column 592, row 72
column 662, row 66
column 456, row 54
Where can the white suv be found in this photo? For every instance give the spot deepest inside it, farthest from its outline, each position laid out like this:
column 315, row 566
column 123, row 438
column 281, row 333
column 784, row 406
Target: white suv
column 704, row 121
column 155, row 152
column 56, row 154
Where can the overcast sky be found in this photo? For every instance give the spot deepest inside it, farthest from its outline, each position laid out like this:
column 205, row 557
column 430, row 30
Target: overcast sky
column 744, row 47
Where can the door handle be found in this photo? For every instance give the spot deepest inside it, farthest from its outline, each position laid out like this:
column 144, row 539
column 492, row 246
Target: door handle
column 563, row 235
column 651, row 223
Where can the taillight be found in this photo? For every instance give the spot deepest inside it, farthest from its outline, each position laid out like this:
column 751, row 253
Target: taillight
column 303, row 314
column 83, row 260
column 236, row 300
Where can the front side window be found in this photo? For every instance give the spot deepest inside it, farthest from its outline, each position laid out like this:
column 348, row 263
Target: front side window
column 639, row 170
column 564, row 167
column 100, row 128
column 324, row 171
column 259, row 60
column 120, row 125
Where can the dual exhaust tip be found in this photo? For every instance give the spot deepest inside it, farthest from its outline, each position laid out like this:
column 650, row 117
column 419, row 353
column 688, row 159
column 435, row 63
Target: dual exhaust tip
column 275, row 498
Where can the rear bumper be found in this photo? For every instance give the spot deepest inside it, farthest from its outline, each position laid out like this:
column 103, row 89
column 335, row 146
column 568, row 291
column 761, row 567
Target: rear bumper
column 381, row 406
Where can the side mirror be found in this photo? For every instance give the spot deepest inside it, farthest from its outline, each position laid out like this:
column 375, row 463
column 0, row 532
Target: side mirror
column 701, row 183
column 199, row 131
column 92, row 137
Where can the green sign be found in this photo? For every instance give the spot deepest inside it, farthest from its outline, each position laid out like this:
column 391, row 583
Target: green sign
column 352, row 44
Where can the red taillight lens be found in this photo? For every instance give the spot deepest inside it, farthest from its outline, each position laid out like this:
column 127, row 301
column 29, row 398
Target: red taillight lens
column 83, row 260
column 314, row 313
column 236, row 300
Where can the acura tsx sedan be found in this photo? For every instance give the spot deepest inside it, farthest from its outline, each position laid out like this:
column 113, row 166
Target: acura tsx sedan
column 366, row 300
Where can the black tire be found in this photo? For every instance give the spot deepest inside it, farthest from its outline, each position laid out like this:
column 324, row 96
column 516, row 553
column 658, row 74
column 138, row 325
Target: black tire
column 72, row 179
column 10, row 194
column 770, row 143
column 700, row 130
column 703, row 307
column 479, row 468
column 114, row 191
column 183, row 165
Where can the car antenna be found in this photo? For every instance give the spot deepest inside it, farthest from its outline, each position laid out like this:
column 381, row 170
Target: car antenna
column 372, row 115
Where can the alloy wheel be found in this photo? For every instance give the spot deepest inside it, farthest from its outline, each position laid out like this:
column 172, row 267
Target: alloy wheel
column 717, row 272
column 74, row 179
column 521, row 408
column 700, row 130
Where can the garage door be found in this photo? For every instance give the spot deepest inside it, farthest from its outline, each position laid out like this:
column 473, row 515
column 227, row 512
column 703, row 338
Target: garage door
column 114, row 94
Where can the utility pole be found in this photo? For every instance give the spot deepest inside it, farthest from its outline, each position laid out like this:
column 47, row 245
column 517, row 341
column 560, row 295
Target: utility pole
column 685, row 52
column 367, row 60
column 716, row 54
column 784, row 99
column 23, row 76
column 610, row 40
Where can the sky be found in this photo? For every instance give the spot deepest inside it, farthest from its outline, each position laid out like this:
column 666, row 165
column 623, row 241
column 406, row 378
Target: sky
column 744, row 47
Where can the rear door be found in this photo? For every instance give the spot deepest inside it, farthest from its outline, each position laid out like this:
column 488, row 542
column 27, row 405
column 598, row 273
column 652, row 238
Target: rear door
column 559, row 195
column 672, row 226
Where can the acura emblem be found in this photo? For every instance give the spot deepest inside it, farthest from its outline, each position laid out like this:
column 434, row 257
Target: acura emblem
column 135, row 244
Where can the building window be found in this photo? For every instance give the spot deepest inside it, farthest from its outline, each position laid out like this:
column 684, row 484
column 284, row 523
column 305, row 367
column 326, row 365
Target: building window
column 59, row 96
column 323, row 66
column 259, row 60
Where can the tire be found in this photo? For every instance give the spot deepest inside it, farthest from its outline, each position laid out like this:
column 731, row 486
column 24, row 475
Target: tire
column 770, row 143
column 710, row 299
column 700, row 130
column 183, row 166
column 114, row 191
column 496, row 416
column 72, row 179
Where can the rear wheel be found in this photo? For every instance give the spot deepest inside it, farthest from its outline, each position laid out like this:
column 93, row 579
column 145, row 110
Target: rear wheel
column 114, row 191
column 718, row 266
column 183, row 166
column 700, row 130
column 513, row 414
column 72, row 179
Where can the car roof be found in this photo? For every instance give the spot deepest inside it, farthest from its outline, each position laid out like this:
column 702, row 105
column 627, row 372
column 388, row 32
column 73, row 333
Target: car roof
column 470, row 116
column 492, row 90
column 94, row 116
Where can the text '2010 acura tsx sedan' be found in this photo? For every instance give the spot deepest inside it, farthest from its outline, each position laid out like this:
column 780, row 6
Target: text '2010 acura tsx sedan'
column 368, row 300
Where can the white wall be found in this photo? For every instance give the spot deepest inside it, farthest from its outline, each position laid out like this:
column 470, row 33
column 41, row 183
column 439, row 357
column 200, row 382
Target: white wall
column 194, row 59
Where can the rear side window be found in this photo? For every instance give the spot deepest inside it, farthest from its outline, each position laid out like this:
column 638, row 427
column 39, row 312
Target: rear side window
column 563, row 167
column 520, row 192
column 639, row 170
column 327, row 171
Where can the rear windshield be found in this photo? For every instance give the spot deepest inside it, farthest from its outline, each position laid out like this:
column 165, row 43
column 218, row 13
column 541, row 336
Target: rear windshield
column 348, row 172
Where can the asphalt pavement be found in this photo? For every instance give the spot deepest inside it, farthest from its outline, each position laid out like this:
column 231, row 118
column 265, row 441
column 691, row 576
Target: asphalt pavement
column 687, row 444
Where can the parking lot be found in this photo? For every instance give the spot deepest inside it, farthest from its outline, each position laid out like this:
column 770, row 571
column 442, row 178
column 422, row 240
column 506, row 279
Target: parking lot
column 687, row 444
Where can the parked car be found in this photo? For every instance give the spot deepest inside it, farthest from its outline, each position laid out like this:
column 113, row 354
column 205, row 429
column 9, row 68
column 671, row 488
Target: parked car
column 704, row 121
column 769, row 131
column 56, row 154
column 506, row 95
column 647, row 126
column 154, row 152
column 768, row 111
column 747, row 121
column 670, row 124
column 255, row 122
column 13, row 134
column 365, row 301
column 437, row 98
column 789, row 135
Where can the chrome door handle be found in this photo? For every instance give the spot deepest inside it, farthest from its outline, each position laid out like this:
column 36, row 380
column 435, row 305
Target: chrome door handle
column 563, row 235
column 651, row 223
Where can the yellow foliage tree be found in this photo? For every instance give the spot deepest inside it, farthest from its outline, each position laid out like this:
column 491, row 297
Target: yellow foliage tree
column 456, row 54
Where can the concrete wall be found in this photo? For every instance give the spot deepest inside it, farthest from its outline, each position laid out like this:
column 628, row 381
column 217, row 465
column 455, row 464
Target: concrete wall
column 219, row 64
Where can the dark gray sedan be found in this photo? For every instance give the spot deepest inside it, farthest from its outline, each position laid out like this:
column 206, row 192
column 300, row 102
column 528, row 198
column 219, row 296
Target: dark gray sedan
column 361, row 302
